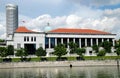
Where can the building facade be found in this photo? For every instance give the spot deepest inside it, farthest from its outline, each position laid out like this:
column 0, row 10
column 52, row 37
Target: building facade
column 24, row 38
column 11, row 18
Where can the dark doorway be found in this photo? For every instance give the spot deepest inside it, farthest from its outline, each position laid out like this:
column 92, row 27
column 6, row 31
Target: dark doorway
column 31, row 48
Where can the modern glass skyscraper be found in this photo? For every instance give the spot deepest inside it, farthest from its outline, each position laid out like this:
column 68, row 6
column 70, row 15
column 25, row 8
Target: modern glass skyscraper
column 11, row 18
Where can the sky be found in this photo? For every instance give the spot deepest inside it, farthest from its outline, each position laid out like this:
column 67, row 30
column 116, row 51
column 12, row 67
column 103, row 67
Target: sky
column 101, row 15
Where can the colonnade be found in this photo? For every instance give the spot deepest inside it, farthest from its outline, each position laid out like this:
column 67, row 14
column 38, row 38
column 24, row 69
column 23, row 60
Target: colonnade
column 82, row 42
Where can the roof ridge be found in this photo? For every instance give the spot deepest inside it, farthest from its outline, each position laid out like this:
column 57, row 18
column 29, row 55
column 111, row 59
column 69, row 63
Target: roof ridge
column 23, row 29
column 75, row 30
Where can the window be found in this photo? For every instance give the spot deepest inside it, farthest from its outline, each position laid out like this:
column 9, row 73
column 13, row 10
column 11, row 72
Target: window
column 25, row 38
column 46, row 42
column 90, row 52
column 65, row 42
column 88, row 42
column 82, row 42
column 77, row 41
column 34, row 38
column 31, row 38
column 58, row 40
column 52, row 42
column 18, row 46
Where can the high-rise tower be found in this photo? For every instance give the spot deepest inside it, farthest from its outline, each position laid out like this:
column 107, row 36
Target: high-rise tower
column 11, row 18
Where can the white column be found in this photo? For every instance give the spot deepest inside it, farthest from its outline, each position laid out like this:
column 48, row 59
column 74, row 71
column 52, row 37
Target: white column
column 113, row 40
column 80, row 42
column 108, row 39
column 61, row 40
column 49, row 43
column 85, row 42
column 73, row 40
column 67, row 42
column 97, row 41
column 102, row 40
column 55, row 41
column 68, row 51
column 91, row 42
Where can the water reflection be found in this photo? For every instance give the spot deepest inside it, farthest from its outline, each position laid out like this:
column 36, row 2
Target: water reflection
column 61, row 72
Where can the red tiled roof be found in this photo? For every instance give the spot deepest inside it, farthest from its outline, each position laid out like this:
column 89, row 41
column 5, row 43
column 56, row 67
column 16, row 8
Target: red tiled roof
column 78, row 31
column 23, row 29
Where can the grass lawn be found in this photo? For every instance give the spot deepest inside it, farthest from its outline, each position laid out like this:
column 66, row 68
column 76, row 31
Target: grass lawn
column 0, row 59
column 71, row 58
column 15, row 59
column 104, row 58
column 38, row 59
column 51, row 58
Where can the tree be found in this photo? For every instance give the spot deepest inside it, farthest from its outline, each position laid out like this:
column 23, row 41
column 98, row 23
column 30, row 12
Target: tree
column 101, row 53
column 22, row 53
column 60, row 50
column 73, row 46
column 80, row 52
column 117, row 47
column 107, row 46
column 118, row 51
column 95, row 48
column 40, row 52
column 3, row 52
column 117, row 44
column 10, row 50
column 1, row 40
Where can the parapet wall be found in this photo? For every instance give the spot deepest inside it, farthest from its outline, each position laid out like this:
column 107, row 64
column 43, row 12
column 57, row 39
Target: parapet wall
column 59, row 64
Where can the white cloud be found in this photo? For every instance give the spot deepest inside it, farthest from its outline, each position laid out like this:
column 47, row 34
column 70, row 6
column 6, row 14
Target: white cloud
column 105, row 21
column 81, row 17
column 87, row 12
column 3, row 36
column 2, row 31
column 73, row 21
column 112, row 13
column 40, row 22
column 95, row 2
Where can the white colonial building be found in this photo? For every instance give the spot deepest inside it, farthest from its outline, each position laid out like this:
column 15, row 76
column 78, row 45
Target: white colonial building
column 31, row 40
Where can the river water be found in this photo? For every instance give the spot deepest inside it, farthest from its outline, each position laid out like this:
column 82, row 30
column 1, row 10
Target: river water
column 61, row 72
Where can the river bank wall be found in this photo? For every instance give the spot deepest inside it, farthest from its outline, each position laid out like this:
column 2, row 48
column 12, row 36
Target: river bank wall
column 60, row 64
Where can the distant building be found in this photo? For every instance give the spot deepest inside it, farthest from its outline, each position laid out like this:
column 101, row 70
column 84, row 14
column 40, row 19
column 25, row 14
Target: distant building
column 24, row 38
column 11, row 18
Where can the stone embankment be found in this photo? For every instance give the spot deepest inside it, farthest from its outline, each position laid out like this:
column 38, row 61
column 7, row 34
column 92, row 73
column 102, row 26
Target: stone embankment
column 59, row 64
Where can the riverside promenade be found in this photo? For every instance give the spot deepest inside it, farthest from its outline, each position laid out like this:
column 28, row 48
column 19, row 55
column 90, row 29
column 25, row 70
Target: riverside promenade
column 91, row 63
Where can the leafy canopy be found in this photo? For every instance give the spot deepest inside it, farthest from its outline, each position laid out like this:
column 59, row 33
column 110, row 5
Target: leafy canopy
column 73, row 46
column 107, row 46
column 95, row 48
column 101, row 53
column 3, row 51
column 40, row 52
column 80, row 51
column 10, row 50
column 60, row 50
column 21, row 52
column 118, row 51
